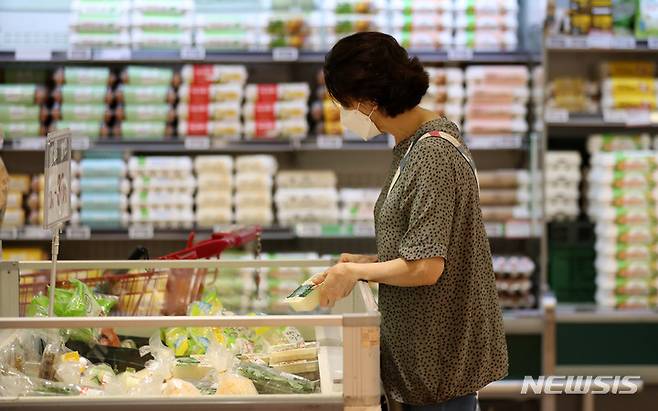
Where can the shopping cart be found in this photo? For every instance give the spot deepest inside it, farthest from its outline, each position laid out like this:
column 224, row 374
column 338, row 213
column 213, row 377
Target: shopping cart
column 147, row 292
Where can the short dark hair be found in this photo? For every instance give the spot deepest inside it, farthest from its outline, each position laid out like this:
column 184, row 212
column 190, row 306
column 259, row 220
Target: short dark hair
column 372, row 66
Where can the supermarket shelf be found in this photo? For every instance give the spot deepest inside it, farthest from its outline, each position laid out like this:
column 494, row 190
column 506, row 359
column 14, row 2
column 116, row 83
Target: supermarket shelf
column 204, row 144
column 621, row 44
column 589, row 313
column 285, row 55
column 141, row 233
column 523, row 321
column 505, row 389
column 648, row 373
column 584, row 123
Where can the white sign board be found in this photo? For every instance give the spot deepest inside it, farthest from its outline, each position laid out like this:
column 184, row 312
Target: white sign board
column 57, row 172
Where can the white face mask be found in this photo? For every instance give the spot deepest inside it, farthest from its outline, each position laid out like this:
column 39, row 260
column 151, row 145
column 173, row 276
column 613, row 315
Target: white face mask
column 358, row 123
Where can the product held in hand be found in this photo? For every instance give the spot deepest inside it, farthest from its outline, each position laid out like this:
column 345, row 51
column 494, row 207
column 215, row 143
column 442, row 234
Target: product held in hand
column 305, row 298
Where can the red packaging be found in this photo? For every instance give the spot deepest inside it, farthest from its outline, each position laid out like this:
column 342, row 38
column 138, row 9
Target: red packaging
column 197, row 113
column 197, row 128
column 267, row 92
column 202, row 74
column 199, row 94
column 265, row 129
column 264, row 112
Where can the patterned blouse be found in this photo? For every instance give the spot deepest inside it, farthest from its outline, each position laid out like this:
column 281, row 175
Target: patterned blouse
column 445, row 340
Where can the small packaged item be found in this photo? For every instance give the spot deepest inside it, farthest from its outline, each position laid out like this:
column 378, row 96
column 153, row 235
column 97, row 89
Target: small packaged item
column 305, row 298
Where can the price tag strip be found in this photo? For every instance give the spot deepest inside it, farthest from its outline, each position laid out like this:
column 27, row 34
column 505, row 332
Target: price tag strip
column 330, row 142
column 197, row 143
column 82, row 232
column 140, row 232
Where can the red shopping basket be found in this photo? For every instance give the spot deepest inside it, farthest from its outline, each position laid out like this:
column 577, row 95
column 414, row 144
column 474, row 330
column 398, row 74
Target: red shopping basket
column 146, row 292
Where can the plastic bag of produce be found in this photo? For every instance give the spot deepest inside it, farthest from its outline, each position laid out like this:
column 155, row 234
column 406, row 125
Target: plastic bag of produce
column 179, row 388
column 233, row 384
column 269, row 381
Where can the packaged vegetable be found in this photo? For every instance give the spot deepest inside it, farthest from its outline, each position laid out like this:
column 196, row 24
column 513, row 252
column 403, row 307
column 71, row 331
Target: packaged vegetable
column 269, row 381
column 232, row 384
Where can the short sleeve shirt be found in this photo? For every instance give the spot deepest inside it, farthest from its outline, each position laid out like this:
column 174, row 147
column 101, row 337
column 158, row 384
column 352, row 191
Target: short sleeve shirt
column 444, row 340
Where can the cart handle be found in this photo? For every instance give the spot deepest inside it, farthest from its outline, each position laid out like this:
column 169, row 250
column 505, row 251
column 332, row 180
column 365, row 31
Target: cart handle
column 215, row 245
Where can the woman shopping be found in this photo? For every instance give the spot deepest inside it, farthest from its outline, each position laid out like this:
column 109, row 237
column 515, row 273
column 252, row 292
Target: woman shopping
column 442, row 336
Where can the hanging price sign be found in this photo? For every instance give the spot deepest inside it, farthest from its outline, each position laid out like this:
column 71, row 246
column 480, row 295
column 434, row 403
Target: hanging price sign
column 57, row 172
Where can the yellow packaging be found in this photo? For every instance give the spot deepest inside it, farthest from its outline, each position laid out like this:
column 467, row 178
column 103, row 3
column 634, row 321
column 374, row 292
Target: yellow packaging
column 628, row 69
column 20, row 183
column 633, row 100
column 632, row 85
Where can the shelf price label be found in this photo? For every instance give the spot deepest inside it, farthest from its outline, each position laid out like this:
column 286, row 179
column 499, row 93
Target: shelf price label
column 9, row 234
column 614, row 116
column 495, row 230
column 330, row 142
column 33, row 54
column 141, row 232
column 556, row 115
column 636, row 118
column 37, row 233
column 29, row 143
column 460, row 54
column 80, row 143
column 577, row 42
column 599, row 41
column 623, row 42
column 113, row 54
column 81, row 232
column 285, row 54
column 193, row 53
column 197, row 143
column 363, row 229
column 57, row 173
column 652, row 43
column 308, row 230
column 79, row 54
column 518, row 229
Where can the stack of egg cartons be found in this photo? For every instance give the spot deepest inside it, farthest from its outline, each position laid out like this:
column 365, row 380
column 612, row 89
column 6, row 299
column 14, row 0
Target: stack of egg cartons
column 162, row 24
column 422, row 25
column 229, row 30
column 276, row 111
column 163, row 191
column 573, row 94
column 345, row 17
column 357, row 204
column 276, row 283
column 146, row 98
column 618, row 142
column 514, row 281
column 486, row 24
column 214, row 196
column 281, row 28
column 622, row 204
column 445, row 94
column 496, row 100
column 18, row 188
column 628, row 85
column 83, row 97
column 103, row 190
column 324, row 111
column 538, row 98
column 21, row 114
column 562, row 179
column 254, row 179
column 505, row 195
column 96, row 23
column 308, row 196
column 210, row 100
column 36, row 201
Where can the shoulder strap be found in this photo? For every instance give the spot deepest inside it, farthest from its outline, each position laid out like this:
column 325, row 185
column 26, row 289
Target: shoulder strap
column 440, row 134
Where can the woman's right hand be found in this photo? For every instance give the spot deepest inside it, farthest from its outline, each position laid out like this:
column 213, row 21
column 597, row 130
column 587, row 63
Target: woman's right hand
column 357, row 258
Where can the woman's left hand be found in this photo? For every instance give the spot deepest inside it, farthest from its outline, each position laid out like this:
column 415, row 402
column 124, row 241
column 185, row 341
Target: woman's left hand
column 336, row 283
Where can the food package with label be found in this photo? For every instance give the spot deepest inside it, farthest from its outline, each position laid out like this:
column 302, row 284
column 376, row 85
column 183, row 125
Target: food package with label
column 22, row 110
column 358, row 204
column 217, row 73
column 573, row 94
column 562, row 180
column 628, row 85
column 214, row 197
column 99, row 23
column 277, row 92
column 345, row 17
column 305, row 190
column 514, row 281
column 486, row 25
column 103, row 192
column 206, row 93
column 292, row 128
column 618, row 142
column 622, row 202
